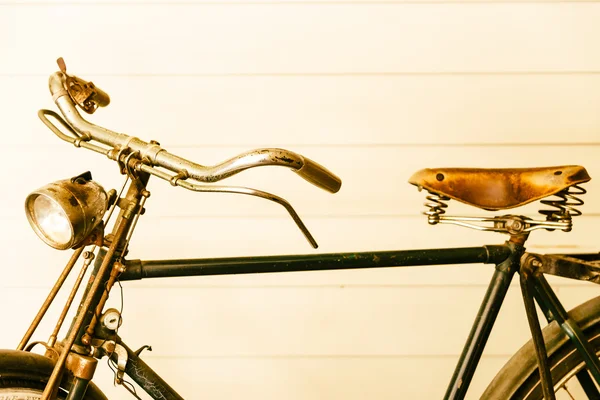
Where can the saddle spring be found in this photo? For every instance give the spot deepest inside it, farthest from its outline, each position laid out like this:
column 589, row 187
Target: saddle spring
column 566, row 204
column 436, row 203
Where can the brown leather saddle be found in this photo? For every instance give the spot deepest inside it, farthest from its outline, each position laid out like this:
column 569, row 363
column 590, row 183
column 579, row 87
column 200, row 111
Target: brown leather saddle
column 499, row 189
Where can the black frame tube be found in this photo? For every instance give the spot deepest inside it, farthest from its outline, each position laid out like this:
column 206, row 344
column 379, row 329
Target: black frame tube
column 537, row 336
column 484, row 322
column 144, row 376
column 504, row 256
column 136, row 269
column 78, row 389
column 549, row 303
column 507, row 258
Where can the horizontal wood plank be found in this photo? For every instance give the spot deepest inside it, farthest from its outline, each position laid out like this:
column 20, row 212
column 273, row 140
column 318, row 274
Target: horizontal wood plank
column 29, row 3
column 30, row 263
column 572, row 296
column 328, row 38
column 375, row 90
column 374, row 179
column 248, row 322
column 308, row 378
column 327, row 110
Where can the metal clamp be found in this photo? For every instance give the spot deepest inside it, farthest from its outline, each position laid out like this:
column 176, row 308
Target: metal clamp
column 181, row 175
column 82, row 367
column 101, row 348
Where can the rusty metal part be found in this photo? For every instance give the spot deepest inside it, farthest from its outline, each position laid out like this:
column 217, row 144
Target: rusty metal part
column 519, row 239
column 85, row 94
column 121, row 230
column 157, row 156
column 565, row 204
column 102, row 347
column 499, row 189
column 140, row 211
column 583, row 267
column 135, row 194
column 81, row 366
column 130, row 208
column 111, row 349
column 117, row 270
column 510, row 224
column 88, row 258
column 144, row 347
column 552, row 308
column 121, row 353
column 436, row 206
column 50, row 352
column 51, row 296
column 83, row 203
column 530, row 268
column 138, row 269
column 96, row 237
column 559, row 218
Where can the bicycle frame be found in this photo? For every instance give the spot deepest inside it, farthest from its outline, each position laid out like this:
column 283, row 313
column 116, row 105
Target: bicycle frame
column 508, row 259
column 501, row 255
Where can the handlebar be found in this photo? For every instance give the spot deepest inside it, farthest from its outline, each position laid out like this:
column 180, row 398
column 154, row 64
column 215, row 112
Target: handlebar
column 303, row 166
column 69, row 91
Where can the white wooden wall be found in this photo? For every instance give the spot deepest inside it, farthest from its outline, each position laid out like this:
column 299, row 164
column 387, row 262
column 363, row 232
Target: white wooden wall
column 374, row 90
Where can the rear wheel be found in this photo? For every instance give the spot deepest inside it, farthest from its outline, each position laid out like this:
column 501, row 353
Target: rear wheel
column 520, row 379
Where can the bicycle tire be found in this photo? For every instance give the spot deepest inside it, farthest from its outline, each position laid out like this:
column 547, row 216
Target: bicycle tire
column 23, row 375
column 24, row 389
column 519, row 378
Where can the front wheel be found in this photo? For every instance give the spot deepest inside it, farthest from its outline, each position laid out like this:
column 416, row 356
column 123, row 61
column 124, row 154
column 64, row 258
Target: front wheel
column 24, row 375
column 23, row 389
column 520, row 379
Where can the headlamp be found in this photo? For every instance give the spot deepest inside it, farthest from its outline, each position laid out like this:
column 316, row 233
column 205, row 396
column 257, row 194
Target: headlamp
column 64, row 213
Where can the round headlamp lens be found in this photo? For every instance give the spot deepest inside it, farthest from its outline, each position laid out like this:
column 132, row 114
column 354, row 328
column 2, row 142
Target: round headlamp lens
column 64, row 213
column 51, row 220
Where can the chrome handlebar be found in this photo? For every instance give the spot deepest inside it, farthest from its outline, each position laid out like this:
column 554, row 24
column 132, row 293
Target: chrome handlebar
column 151, row 155
column 305, row 167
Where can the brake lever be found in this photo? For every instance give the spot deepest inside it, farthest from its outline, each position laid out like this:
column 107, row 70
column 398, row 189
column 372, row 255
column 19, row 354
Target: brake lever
column 180, row 180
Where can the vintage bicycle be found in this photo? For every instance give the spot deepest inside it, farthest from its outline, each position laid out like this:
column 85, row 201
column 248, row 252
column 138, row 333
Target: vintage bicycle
column 75, row 214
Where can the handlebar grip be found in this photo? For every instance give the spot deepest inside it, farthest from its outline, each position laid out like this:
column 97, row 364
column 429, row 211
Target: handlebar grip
column 319, row 176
